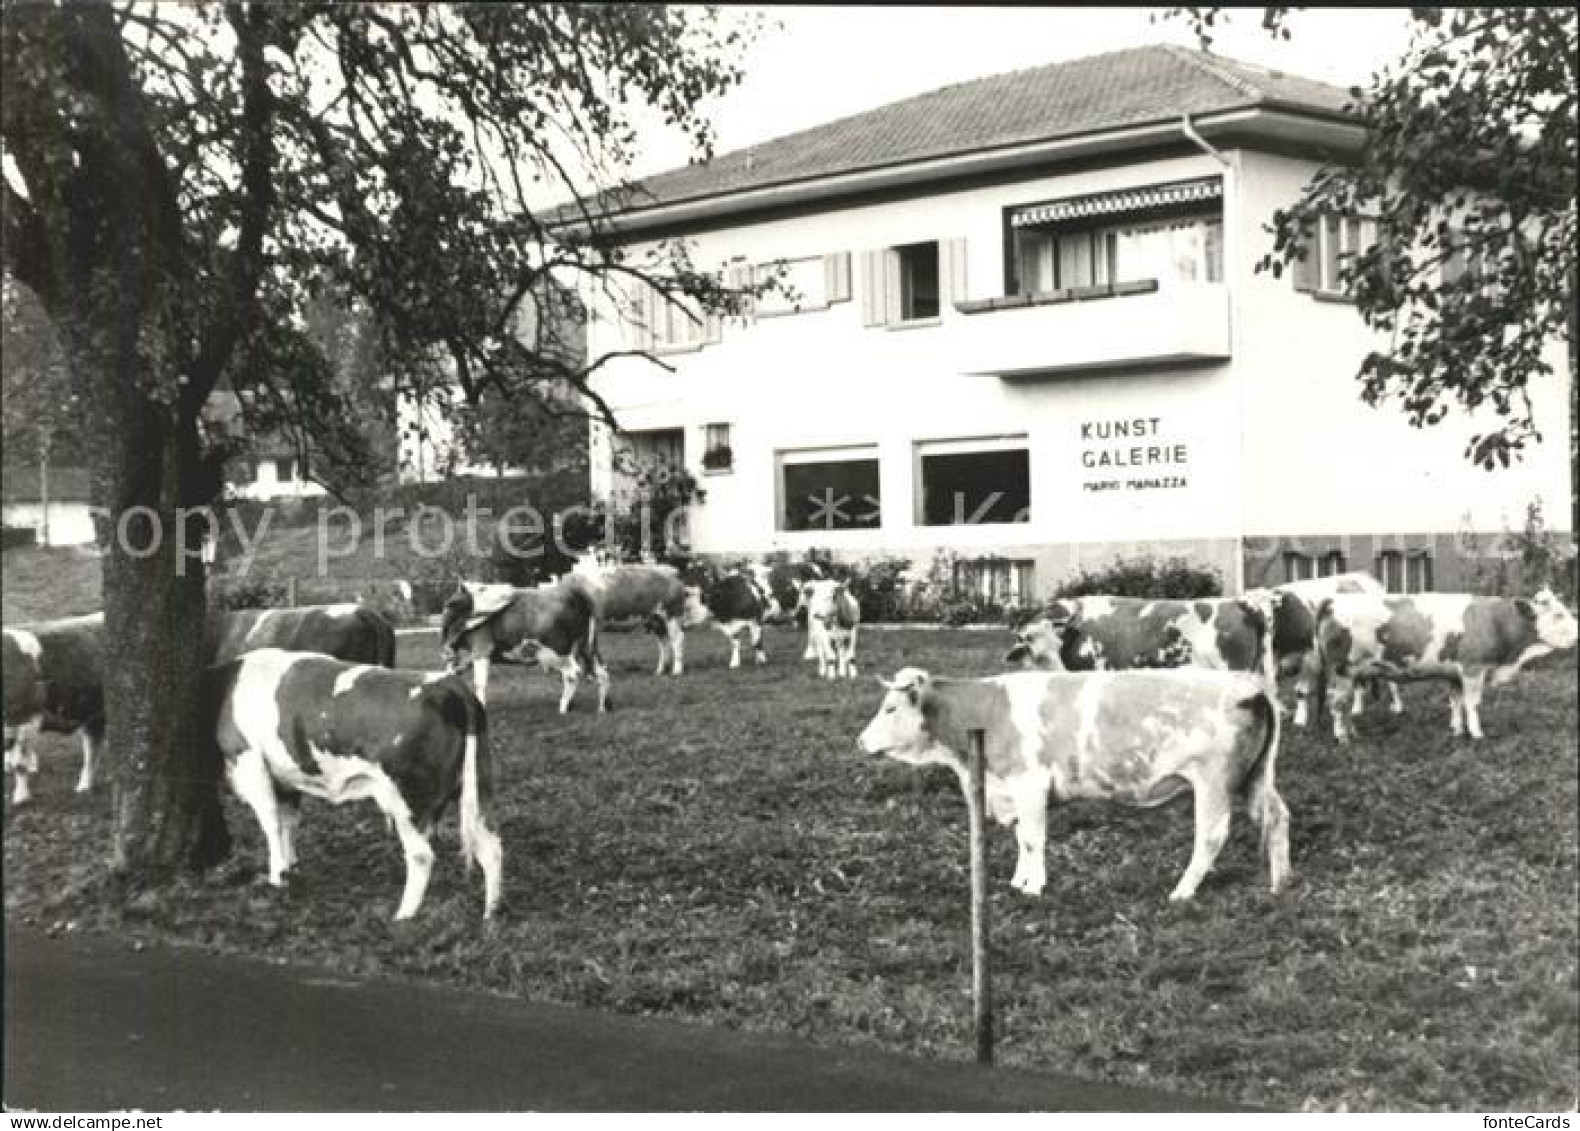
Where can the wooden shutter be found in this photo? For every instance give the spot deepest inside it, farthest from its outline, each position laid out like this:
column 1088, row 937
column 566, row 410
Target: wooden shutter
column 645, row 308
column 875, row 287
column 836, row 277
column 951, row 271
column 712, row 328
column 1307, row 267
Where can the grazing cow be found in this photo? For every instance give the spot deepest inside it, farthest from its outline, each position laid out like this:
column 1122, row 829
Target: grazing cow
column 1295, row 605
column 348, row 632
column 289, row 723
column 53, row 676
column 1455, row 637
column 832, row 618
column 653, row 594
column 1139, row 738
column 783, row 581
column 1118, row 633
column 484, row 623
column 730, row 601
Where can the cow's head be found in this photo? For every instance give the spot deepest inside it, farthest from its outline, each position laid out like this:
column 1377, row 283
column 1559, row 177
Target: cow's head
column 1555, row 624
column 827, row 601
column 456, row 610
column 902, row 728
column 1038, row 645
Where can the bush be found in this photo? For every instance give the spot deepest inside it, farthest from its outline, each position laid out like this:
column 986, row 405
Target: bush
column 1176, row 578
column 879, row 590
column 248, row 593
column 1528, row 559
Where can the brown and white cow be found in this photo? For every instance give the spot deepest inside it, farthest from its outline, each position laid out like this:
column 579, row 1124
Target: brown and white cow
column 1139, row 738
column 1294, row 606
column 556, row 626
column 732, row 602
column 1119, row 633
column 832, row 618
column 1462, row 639
column 294, row 723
column 53, row 681
column 348, row 632
column 783, row 582
column 652, row 594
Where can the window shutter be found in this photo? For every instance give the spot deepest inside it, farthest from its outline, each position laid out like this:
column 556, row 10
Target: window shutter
column 1306, row 267
column 836, row 277
column 952, row 271
column 875, row 288
column 893, row 289
column 645, row 310
column 712, row 328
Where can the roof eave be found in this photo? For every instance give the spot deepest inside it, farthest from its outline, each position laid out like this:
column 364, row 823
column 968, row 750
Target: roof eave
column 1330, row 135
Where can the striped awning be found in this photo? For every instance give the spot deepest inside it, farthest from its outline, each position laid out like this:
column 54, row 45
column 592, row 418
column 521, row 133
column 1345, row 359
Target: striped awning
column 1114, row 203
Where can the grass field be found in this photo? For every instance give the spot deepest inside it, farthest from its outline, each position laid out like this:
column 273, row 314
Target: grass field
column 716, row 849
column 42, row 582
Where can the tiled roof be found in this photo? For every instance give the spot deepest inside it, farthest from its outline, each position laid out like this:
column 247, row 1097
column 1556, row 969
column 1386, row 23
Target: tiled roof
column 1103, row 92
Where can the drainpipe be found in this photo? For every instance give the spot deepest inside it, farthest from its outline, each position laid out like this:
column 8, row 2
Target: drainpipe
column 1202, row 143
column 1188, row 128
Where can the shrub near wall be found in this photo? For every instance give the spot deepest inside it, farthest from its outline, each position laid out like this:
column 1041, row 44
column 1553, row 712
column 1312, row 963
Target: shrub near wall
column 1159, row 578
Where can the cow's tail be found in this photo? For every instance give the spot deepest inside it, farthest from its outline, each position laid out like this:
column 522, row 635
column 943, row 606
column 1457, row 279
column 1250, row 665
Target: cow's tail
column 478, row 841
column 1266, row 806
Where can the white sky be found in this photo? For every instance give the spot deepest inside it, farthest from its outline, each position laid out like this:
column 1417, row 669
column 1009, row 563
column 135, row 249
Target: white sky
column 822, row 63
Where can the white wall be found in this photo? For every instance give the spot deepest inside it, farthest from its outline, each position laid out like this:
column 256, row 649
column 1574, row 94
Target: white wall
column 70, row 524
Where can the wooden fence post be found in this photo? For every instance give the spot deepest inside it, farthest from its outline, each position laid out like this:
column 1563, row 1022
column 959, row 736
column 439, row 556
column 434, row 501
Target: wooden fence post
column 981, row 971
column 290, row 592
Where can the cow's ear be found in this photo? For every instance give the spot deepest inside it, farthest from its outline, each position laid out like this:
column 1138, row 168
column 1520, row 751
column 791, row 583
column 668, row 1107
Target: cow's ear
column 1526, row 609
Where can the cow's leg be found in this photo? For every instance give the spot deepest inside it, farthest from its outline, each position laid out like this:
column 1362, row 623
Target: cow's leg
column 663, row 652
column 570, row 676
column 677, row 644
column 480, row 678
column 1340, row 688
column 755, row 631
column 1456, row 710
column 1395, row 704
column 1031, row 836
column 731, row 631
column 290, row 816
column 1307, row 678
column 419, row 856
column 1473, row 684
column 22, row 759
column 600, row 675
column 91, row 738
column 250, row 778
column 850, row 653
column 1357, row 699
column 1213, row 814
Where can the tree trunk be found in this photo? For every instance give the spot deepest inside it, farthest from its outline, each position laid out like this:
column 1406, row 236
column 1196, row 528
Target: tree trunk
column 165, row 771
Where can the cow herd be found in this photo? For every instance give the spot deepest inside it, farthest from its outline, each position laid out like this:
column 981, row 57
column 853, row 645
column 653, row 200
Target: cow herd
column 1130, row 700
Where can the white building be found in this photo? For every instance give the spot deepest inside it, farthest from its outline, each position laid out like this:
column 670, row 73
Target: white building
column 57, row 508
column 1029, row 326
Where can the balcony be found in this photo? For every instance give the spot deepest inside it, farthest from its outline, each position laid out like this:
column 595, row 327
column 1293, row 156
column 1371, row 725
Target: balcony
column 1085, row 329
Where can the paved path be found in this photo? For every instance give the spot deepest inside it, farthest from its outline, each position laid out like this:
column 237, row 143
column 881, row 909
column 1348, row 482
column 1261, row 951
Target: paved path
column 92, row 1024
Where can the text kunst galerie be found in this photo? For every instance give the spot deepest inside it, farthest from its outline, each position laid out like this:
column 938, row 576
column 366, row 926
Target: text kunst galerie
column 1131, row 454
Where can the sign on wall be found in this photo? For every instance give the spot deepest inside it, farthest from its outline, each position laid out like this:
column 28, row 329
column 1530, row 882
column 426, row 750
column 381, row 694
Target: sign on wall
column 1132, row 453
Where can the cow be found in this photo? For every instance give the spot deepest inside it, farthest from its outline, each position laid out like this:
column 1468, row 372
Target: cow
column 1139, row 738
column 783, row 581
column 1118, row 633
column 348, row 632
column 1295, row 605
column 293, row 723
column 53, row 681
column 559, row 625
column 653, row 594
column 1456, row 637
column 731, row 601
column 832, row 618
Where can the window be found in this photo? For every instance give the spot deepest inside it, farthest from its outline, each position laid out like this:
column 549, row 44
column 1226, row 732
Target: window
column 1402, row 572
column 1298, row 566
column 830, row 489
column 716, row 452
column 918, row 281
column 673, row 323
column 1332, row 564
column 907, row 285
column 995, row 579
column 1335, row 241
column 972, row 482
column 1170, row 233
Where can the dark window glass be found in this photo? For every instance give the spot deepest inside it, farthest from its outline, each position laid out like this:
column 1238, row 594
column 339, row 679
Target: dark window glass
column 837, row 495
column 976, row 487
column 918, row 281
